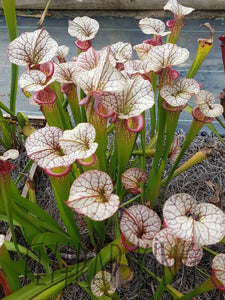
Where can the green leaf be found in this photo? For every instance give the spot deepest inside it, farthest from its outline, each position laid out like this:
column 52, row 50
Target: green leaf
column 13, row 88
column 10, row 212
column 2, row 142
column 10, row 16
column 213, row 129
column 5, row 128
column 23, row 250
column 48, row 238
column 61, row 191
column 64, row 116
column 6, row 109
column 26, row 169
column 6, row 136
column 99, row 228
column 35, row 210
column 22, row 119
column 47, row 286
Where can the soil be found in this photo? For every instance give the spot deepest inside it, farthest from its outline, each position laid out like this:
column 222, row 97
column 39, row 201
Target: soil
column 196, row 181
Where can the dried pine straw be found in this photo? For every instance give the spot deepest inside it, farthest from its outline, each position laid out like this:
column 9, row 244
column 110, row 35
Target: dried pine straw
column 192, row 181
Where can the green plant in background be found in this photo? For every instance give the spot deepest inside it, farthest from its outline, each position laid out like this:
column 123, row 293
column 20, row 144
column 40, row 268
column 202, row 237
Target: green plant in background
column 8, row 128
column 95, row 109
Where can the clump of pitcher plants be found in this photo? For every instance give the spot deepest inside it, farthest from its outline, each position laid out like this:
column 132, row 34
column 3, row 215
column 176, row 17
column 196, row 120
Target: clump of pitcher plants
column 94, row 106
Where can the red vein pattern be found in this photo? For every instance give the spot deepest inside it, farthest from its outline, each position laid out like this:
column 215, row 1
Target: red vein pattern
column 83, row 28
column 91, row 195
column 131, row 179
column 167, row 249
column 202, row 223
column 32, row 48
column 139, row 224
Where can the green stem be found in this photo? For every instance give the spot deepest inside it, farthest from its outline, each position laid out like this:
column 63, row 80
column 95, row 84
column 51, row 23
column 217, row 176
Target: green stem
column 220, row 122
column 213, row 129
column 114, row 160
column 26, row 168
column 172, row 118
column 125, row 140
column 101, row 138
column 169, row 273
column 52, row 115
column 74, row 105
column 210, row 251
column 64, row 116
column 142, row 159
column 116, row 225
column 100, row 229
column 153, row 120
column 193, row 130
column 115, row 296
column 97, row 227
column 195, row 159
column 13, row 88
column 153, row 77
column 130, row 201
column 171, row 125
column 61, row 187
column 83, row 112
column 91, row 232
column 176, row 294
column 201, row 272
column 159, row 149
column 153, row 142
column 147, row 153
column 141, row 274
column 110, row 128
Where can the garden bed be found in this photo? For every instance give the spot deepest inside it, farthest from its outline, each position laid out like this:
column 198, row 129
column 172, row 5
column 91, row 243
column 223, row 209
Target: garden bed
column 195, row 181
column 112, row 211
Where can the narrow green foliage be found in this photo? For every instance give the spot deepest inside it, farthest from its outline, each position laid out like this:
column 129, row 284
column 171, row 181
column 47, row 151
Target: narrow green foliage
column 10, row 15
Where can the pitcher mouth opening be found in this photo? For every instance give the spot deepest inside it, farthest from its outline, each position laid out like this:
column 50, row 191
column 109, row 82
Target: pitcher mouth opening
column 135, row 124
column 199, row 116
column 83, row 46
column 58, row 172
column 167, row 107
column 5, row 167
column 126, row 246
column 46, row 96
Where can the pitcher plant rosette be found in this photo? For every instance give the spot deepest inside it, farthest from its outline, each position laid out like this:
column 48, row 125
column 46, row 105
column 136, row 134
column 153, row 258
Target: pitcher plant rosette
column 94, row 151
